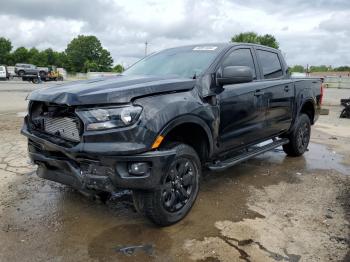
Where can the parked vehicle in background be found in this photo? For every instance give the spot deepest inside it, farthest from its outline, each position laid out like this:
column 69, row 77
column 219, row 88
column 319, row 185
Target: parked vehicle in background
column 153, row 128
column 4, row 75
column 53, row 74
column 29, row 69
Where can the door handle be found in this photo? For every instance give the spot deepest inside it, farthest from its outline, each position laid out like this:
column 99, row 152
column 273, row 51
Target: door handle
column 286, row 88
column 258, row 93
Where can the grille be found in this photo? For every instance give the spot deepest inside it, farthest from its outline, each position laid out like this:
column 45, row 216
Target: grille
column 65, row 127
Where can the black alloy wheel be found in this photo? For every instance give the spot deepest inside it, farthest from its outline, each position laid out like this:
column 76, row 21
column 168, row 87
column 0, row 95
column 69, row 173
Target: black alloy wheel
column 299, row 138
column 177, row 191
column 178, row 185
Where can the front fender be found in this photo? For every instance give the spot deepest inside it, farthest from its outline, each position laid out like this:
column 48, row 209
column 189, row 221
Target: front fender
column 162, row 113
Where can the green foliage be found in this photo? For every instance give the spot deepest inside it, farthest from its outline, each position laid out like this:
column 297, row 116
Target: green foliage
column 5, row 49
column 268, row 40
column 342, row 68
column 37, row 58
column 85, row 53
column 297, row 69
column 118, row 68
column 320, row 68
column 252, row 37
column 20, row 55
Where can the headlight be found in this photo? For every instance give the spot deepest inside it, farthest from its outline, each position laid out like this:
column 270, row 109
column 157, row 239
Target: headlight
column 105, row 118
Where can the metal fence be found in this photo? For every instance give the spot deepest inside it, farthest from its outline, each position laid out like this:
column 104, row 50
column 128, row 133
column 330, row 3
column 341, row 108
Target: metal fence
column 337, row 82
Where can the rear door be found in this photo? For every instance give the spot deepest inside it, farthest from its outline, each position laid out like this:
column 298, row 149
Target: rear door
column 242, row 113
column 278, row 92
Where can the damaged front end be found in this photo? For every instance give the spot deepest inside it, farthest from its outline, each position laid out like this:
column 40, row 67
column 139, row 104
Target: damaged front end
column 90, row 160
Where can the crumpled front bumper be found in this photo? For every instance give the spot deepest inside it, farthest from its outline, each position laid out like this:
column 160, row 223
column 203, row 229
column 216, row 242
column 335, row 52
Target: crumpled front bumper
column 94, row 170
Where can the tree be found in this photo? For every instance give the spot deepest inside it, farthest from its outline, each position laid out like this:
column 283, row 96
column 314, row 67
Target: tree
column 20, row 55
column 85, row 53
column 252, row 37
column 320, row 68
column 118, row 68
column 5, row 49
column 268, row 40
column 38, row 58
column 297, row 69
column 61, row 59
column 51, row 56
column 342, row 68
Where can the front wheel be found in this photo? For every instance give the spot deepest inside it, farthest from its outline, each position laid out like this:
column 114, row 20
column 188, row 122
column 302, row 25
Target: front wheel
column 178, row 191
column 300, row 137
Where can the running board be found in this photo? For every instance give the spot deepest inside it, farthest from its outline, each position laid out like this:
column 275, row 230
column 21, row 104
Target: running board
column 222, row 165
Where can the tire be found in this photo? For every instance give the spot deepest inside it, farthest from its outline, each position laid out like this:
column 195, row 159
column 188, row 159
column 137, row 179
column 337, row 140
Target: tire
column 345, row 113
column 35, row 81
column 42, row 74
column 300, row 137
column 21, row 73
column 178, row 191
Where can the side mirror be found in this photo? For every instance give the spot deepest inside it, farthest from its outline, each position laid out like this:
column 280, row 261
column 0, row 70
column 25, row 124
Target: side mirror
column 235, row 74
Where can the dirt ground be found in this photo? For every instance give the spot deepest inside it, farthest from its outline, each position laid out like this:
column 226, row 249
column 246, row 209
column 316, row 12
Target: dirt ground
column 271, row 208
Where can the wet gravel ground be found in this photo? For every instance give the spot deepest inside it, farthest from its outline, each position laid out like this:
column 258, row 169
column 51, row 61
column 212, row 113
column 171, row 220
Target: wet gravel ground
column 270, row 208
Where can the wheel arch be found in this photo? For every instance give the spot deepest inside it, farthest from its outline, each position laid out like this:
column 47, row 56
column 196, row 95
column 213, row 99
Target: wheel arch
column 198, row 127
column 308, row 108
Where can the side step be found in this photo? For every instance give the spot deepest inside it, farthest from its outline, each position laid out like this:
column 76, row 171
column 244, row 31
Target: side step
column 222, row 165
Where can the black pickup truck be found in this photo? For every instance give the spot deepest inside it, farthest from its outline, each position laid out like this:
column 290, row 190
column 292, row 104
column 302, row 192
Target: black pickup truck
column 154, row 128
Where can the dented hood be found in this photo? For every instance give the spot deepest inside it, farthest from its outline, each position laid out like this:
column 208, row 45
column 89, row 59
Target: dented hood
column 119, row 89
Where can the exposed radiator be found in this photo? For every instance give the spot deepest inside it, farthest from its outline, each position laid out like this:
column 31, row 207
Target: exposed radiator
column 64, row 127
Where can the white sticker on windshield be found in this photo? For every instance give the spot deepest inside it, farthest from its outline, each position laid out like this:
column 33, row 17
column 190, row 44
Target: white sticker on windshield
column 205, row 48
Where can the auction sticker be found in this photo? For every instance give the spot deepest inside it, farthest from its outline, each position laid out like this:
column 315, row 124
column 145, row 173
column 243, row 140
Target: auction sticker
column 205, row 48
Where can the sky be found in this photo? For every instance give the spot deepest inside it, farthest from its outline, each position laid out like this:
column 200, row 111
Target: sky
column 310, row 32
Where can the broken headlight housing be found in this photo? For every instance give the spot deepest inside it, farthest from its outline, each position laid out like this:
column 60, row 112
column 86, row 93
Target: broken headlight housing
column 112, row 117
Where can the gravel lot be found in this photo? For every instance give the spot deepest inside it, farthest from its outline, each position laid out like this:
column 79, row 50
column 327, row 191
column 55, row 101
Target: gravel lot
column 271, row 208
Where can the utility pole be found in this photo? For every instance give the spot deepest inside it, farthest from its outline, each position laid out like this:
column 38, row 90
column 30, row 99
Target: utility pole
column 146, row 44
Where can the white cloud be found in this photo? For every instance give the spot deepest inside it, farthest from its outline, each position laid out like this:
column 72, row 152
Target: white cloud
column 309, row 32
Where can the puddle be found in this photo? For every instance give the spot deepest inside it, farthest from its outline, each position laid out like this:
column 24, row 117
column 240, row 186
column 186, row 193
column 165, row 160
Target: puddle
column 322, row 157
column 131, row 250
column 131, row 242
column 318, row 157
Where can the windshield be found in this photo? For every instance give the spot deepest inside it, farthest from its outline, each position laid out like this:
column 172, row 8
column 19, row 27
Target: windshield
column 183, row 62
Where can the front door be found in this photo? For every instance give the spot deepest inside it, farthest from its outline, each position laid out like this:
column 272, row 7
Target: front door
column 242, row 110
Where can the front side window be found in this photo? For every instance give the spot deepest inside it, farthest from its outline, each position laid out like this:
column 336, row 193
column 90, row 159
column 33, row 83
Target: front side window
column 240, row 57
column 271, row 65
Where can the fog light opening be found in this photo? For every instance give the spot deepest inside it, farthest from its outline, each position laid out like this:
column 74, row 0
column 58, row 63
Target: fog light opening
column 139, row 169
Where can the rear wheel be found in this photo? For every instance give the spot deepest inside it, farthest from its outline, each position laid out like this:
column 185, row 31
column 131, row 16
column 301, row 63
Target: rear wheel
column 42, row 74
column 35, row 81
column 21, row 73
column 178, row 191
column 300, row 137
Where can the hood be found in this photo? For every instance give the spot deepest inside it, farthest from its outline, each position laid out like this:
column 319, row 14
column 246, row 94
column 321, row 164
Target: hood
column 119, row 89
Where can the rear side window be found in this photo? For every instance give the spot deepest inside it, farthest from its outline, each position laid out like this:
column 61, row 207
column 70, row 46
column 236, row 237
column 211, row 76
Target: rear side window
column 271, row 65
column 240, row 57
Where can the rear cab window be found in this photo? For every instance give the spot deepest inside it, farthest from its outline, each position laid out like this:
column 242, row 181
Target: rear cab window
column 240, row 57
column 270, row 64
